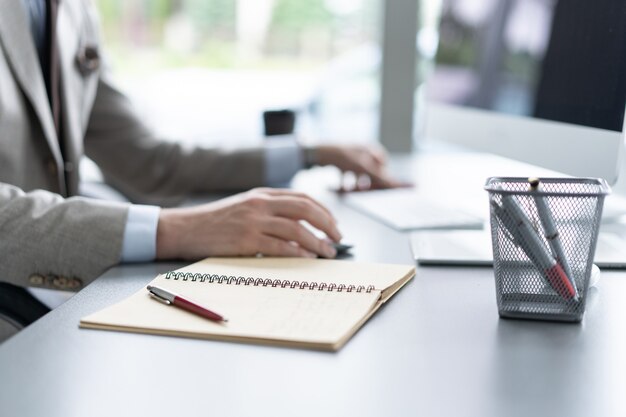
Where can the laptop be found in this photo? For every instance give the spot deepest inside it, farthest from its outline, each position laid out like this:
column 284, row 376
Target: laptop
column 473, row 248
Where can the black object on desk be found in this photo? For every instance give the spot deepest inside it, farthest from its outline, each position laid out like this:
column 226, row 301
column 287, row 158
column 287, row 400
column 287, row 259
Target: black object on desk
column 343, row 250
column 279, row 122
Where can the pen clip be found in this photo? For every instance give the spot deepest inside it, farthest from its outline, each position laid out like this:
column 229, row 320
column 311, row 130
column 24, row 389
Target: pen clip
column 159, row 298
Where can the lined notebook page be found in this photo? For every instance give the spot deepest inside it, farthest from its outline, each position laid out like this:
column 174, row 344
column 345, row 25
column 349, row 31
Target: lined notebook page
column 259, row 312
column 298, row 315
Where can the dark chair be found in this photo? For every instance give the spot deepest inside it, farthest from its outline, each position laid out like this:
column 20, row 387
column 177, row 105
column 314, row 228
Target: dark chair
column 18, row 309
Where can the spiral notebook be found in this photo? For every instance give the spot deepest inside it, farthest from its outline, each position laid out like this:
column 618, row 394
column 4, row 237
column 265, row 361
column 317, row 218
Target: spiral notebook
column 295, row 302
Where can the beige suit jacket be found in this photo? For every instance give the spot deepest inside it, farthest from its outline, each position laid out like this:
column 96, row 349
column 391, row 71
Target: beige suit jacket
column 48, row 236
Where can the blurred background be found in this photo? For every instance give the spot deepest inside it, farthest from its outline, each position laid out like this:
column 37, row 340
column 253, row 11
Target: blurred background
column 205, row 70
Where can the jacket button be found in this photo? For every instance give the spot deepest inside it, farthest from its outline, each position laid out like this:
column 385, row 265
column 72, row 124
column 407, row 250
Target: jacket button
column 36, row 280
column 74, row 284
column 60, row 282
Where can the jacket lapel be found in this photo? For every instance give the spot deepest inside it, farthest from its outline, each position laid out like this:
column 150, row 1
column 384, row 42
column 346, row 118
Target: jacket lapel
column 22, row 56
column 71, row 105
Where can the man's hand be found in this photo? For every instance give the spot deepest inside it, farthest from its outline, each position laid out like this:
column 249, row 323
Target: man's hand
column 263, row 220
column 363, row 161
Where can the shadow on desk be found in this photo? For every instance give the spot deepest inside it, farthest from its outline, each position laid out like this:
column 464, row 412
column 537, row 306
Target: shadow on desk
column 18, row 309
column 526, row 345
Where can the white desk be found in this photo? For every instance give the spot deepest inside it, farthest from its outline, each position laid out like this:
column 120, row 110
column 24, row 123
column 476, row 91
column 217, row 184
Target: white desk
column 437, row 348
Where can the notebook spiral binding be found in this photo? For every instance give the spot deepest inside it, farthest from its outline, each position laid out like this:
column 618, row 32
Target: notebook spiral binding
column 267, row 282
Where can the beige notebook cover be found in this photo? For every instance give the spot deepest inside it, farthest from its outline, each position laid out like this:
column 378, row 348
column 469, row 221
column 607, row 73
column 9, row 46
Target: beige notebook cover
column 312, row 303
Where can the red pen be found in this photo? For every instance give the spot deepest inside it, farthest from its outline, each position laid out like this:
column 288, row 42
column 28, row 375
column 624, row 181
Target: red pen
column 170, row 298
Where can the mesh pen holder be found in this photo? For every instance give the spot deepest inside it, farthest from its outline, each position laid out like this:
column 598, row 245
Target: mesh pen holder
column 544, row 234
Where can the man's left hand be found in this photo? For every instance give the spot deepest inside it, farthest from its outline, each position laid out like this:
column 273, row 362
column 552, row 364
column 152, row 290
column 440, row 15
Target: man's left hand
column 365, row 161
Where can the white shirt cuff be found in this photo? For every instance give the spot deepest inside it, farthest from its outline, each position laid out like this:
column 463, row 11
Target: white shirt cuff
column 140, row 234
column 283, row 158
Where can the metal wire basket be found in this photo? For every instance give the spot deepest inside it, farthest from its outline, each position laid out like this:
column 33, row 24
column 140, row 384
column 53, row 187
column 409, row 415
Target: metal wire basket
column 544, row 234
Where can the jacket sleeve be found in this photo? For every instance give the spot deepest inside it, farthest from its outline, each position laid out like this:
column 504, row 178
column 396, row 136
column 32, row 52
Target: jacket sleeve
column 51, row 242
column 153, row 171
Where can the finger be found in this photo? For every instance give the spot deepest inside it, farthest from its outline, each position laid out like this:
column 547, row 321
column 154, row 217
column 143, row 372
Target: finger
column 291, row 230
column 401, row 184
column 302, row 209
column 351, row 182
column 287, row 192
column 273, row 246
column 297, row 208
column 379, row 155
column 364, row 182
column 272, row 191
column 383, row 182
column 376, row 173
column 344, row 186
column 348, row 180
column 372, row 161
column 367, row 164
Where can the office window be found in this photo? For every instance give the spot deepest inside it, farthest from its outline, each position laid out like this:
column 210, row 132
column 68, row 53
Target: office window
column 207, row 68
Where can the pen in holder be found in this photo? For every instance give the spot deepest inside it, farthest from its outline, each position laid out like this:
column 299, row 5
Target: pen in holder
column 544, row 234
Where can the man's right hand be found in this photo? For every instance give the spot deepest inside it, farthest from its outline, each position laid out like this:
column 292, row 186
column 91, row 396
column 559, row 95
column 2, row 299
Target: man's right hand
column 261, row 221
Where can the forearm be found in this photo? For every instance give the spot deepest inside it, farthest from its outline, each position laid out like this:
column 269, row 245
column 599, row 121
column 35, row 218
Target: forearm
column 48, row 241
column 150, row 170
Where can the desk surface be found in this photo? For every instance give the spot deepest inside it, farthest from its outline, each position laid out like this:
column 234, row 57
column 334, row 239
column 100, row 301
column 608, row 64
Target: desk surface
column 437, row 348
